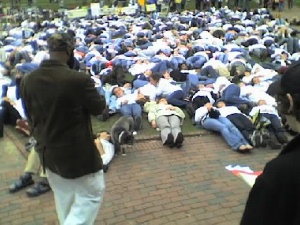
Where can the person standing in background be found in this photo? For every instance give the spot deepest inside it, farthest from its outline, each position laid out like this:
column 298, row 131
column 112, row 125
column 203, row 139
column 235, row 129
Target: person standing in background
column 59, row 102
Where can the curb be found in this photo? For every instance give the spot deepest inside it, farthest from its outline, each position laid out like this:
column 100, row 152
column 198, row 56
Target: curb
column 13, row 136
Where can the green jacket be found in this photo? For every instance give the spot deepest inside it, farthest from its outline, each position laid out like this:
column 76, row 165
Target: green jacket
column 157, row 110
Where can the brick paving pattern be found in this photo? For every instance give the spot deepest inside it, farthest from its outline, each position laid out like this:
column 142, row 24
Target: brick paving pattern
column 151, row 185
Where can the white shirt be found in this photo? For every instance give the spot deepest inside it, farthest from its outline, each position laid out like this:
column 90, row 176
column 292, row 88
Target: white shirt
column 205, row 93
column 200, row 114
column 109, row 151
column 130, row 98
column 165, row 88
column 228, row 110
column 254, row 95
column 264, row 109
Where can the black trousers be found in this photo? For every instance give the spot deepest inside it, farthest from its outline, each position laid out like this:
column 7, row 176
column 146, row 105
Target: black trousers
column 243, row 123
column 9, row 114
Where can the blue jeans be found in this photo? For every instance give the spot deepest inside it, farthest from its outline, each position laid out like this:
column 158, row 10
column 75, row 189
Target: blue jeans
column 199, row 59
column 176, row 99
column 275, row 126
column 231, row 95
column 223, row 57
column 139, row 83
column 131, row 110
column 161, row 67
column 229, row 132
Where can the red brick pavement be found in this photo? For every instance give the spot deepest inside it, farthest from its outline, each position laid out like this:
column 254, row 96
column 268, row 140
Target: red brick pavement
column 151, row 185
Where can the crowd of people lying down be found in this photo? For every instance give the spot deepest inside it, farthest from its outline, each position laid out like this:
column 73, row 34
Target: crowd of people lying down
column 217, row 69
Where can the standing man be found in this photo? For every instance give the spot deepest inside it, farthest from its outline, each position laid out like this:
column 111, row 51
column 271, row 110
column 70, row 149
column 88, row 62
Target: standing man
column 59, row 102
column 274, row 198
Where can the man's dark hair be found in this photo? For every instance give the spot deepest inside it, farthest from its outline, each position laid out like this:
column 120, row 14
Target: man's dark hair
column 61, row 42
column 290, row 91
column 156, row 76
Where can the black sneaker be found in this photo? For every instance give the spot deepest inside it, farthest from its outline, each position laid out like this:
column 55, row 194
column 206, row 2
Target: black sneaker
column 274, row 144
column 38, row 189
column 104, row 116
column 170, row 140
column 179, row 140
column 137, row 123
column 24, row 181
column 190, row 110
column 282, row 139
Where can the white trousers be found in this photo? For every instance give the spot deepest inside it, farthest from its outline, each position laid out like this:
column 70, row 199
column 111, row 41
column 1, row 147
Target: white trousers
column 77, row 200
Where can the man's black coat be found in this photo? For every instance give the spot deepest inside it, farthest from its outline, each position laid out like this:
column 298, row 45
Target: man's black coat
column 59, row 102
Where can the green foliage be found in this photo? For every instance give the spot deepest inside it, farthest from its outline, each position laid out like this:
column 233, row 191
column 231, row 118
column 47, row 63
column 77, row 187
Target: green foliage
column 71, row 4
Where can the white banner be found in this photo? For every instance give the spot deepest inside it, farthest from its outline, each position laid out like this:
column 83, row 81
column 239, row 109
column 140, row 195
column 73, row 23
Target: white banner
column 95, row 9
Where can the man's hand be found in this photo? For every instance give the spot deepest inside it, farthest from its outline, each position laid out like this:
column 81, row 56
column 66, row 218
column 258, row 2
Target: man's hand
column 8, row 100
column 153, row 124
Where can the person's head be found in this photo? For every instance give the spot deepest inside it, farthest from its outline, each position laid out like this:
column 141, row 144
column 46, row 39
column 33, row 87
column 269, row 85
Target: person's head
column 162, row 101
column 154, row 78
column 284, row 55
column 166, row 74
column 201, row 86
column 221, row 104
column 183, row 66
column 261, row 102
column 148, row 72
column 288, row 97
column 241, row 84
column 117, row 91
column 61, row 47
column 104, row 135
column 255, row 80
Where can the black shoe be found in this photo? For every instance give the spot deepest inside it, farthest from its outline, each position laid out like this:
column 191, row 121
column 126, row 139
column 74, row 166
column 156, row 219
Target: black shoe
column 170, row 140
column 24, row 181
column 274, row 145
column 179, row 140
column 282, row 139
column 137, row 123
column 190, row 110
column 104, row 116
column 38, row 189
